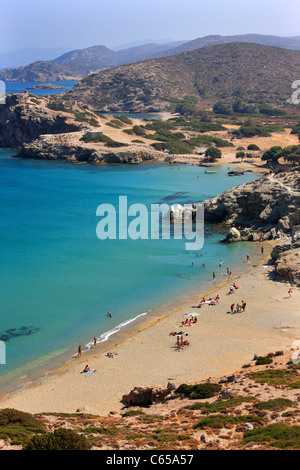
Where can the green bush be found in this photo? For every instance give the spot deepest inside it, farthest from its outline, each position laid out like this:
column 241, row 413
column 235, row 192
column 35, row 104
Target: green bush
column 212, row 153
column 252, row 131
column 19, row 426
column 200, row 391
column 61, row 439
column 218, row 406
column 262, row 360
column 222, row 107
column 275, row 377
column 132, row 413
column 104, row 139
column 175, row 147
column 124, row 119
column 220, row 421
column 209, row 140
column 253, row 147
column 240, row 155
column 275, row 404
column 275, row 435
column 271, row 111
column 204, row 126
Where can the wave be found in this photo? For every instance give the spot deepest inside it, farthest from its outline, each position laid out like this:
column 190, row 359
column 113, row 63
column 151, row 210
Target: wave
column 104, row 337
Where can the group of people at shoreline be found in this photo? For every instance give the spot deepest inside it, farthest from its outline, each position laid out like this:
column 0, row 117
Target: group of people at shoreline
column 87, row 369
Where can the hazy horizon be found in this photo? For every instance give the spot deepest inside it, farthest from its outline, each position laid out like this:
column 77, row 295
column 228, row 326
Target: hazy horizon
column 74, row 25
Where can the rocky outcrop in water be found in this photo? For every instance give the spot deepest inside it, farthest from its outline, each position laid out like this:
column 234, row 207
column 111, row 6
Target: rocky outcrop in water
column 268, row 206
column 270, row 202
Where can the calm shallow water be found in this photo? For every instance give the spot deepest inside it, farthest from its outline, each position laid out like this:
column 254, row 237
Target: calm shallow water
column 60, row 280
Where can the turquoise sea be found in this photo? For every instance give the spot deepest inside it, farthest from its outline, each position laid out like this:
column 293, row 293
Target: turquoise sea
column 58, row 279
column 20, row 87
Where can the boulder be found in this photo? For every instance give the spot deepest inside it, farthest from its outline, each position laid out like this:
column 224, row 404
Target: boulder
column 287, row 265
column 232, row 236
column 145, row 396
column 253, row 237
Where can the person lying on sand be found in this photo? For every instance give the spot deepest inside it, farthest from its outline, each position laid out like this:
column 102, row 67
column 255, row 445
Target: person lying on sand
column 110, row 354
column 88, row 370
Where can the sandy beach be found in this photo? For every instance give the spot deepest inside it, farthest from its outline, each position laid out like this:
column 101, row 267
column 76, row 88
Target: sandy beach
column 220, row 343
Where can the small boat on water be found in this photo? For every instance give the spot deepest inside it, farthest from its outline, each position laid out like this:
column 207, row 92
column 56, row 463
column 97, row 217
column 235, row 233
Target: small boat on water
column 235, row 173
column 208, row 171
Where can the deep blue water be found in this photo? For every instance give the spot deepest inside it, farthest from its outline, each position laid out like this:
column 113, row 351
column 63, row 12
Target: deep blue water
column 20, row 87
column 60, row 280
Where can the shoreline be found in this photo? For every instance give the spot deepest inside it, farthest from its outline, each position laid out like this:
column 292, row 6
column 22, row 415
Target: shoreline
column 115, row 336
column 138, row 352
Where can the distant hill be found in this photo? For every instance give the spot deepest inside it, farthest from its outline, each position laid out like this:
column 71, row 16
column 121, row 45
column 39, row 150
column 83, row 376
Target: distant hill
column 226, row 71
column 85, row 61
column 41, row 71
column 28, row 55
column 82, row 62
column 292, row 43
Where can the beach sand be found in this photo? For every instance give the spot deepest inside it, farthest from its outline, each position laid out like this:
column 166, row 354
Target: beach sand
column 220, row 343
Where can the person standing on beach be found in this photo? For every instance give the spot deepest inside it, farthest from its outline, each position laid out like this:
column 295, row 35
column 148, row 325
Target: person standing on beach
column 95, row 341
column 232, row 308
column 262, row 250
column 213, row 275
column 243, row 306
column 248, row 257
column 290, row 292
column 79, row 351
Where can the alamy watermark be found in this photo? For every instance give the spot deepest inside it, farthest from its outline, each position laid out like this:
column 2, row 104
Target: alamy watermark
column 2, row 353
column 160, row 222
column 295, row 99
column 2, row 92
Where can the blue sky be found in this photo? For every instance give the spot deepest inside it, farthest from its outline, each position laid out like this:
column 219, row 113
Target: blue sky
column 77, row 24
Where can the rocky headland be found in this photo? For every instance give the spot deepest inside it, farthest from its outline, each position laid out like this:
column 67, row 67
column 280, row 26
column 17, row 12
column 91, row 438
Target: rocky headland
column 25, row 117
column 267, row 208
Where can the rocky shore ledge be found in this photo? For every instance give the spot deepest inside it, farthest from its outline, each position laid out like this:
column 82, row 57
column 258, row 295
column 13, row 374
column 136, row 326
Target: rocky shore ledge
column 40, row 128
column 51, row 147
column 268, row 208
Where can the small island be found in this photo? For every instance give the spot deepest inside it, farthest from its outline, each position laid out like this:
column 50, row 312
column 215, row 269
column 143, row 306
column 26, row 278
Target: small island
column 46, row 86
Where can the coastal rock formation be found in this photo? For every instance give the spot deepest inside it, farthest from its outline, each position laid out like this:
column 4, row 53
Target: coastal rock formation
column 287, row 265
column 262, row 204
column 233, row 235
column 145, row 396
column 21, row 120
column 269, row 205
column 51, row 148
